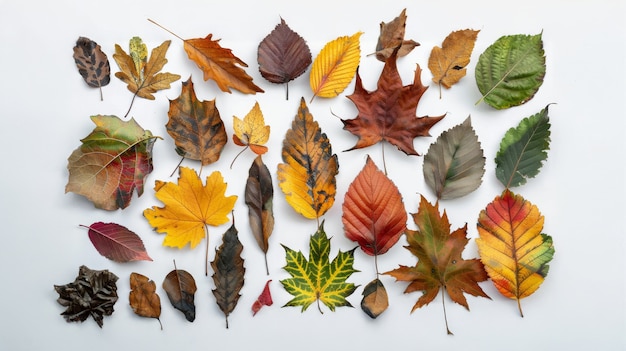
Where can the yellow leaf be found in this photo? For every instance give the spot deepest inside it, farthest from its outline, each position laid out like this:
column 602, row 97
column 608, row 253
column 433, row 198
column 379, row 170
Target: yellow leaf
column 252, row 131
column 189, row 207
column 307, row 178
column 335, row 66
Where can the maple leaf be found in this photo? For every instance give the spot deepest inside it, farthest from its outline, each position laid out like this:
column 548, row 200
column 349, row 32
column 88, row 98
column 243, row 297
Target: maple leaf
column 228, row 272
column 392, row 36
column 117, row 243
column 448, row 63
column 512, row 247
column 142, row 75
column 190, row 207
column 111, row 163
column 389, row 112
column 196, row 126
column 143, row 298
column 440, row 265
column 335, row 65
column 92, row 63
column 319, row 279
column 259, row 197
column 251, row 132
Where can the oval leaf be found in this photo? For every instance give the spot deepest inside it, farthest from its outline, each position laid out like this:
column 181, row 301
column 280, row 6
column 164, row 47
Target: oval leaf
column 229, row 271
column 143, row 298
column 117, row 243
column 180, row 288
column 375, row 300
column 92, row 63
column 335, row 66
column 511, row 70
column 454, row 164
column 448, row 63
column 259, row 197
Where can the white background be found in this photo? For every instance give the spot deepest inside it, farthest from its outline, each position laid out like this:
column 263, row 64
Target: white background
column 45, row 108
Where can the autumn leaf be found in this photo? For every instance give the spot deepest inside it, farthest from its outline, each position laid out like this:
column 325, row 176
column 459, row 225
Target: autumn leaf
column 511, row 70
column 335, row 65
column 454, row 164
column 196, row 126
column 319, row 279
column 264, row 299
column 251, row 132
column 523, row 150
column 392, row 36
column 143, row 298
column 307, row 178
column 259, row 196
column 283, row 55
column 448, row 63
column 440, row 264
column 111, row 163
column 229, row 271
column 140, row 73
column 189, row 208
column 375, row 299
column 180, row 288
column 92, row 63
column 93, row 293
column 117, row 243
column 389, row 112
column 512, row 247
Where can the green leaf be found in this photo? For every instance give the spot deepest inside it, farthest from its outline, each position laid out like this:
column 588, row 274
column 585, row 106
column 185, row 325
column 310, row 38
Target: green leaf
column 454, row 164
column 319, row 279
column 523, row 150
column 511, row 70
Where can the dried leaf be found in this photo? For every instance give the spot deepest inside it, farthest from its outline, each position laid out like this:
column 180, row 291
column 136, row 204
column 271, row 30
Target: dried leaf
column 454, row 164
column 319, row 279
column 92, row 63
column 143, row 298
column 389, row 112
column 252, row 131
column 180, row 288
column 307, row 178
column 335, row 65
column 259, row 197
column 111, row 162
column 375, row 300
column 512, row 247
column 448, row 63
column 283, row 55
column 220, row 64
column 265, row 299
column 392, row 36
column 93, row 293
column 117, row 243
column 440, row 263
column 229, row 271
column 196, row 126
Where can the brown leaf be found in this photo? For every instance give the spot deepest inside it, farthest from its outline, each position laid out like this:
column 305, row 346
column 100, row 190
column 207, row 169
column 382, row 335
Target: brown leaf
column 448, row 63
column 375, row 300
column 259, row 197
column 392, row 36
column 229, row 271
column 143, row 298
column 92, row 63
column 180, row 288
column 196, row 126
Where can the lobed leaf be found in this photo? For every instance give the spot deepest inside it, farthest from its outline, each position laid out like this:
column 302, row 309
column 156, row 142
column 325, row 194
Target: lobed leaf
column 117, row 243
column 335, row 65
column 252, row 131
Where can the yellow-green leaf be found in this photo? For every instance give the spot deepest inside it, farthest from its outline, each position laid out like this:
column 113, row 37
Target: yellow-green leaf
column 335, row 66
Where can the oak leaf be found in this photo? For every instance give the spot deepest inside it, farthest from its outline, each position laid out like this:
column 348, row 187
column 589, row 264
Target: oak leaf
column 143, row 298
column 392, row 36
column 117, row 242
column 512, row 247
column 111, row 163
column 251, row 131
column 92, row 63
column 264, row 299
column 307, row 176
column 448, row 63
column 228, row 272
column 259, row 196
column 196, row 126
column 318, row 279
column 389, row 112
column 180, row 288
column 440, row 264
column 335, row 65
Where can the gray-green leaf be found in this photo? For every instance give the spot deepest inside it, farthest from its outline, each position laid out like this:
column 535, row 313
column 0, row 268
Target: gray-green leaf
column 454, row 164
column 523, row 150
column 511, row 70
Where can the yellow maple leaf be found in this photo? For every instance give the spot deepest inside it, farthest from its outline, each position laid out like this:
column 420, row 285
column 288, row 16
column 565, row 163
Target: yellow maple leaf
column 335, row 66
column 252, row 131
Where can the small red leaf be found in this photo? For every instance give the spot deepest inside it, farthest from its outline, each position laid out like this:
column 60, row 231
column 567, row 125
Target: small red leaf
column 117, row 243
column 265, row 299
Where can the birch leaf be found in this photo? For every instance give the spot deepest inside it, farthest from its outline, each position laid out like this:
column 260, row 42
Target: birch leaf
column 335, row 66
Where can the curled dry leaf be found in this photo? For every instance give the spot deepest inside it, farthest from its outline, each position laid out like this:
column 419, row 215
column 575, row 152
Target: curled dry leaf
column 228, row 272
column 448, row 63
column 117, row 243
column 92, row 63
column 335, row 65
column 143, row 298
column 265, row 299
column 180, row 288
column 392, row 36
column 259, row 196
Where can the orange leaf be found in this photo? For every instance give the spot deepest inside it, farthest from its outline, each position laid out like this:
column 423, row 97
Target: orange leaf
column 448, row 63
column 143, row 298
column 252, row 131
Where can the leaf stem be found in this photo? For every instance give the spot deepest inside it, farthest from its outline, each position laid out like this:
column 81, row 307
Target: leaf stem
column 240, row 152
column 161, row 324
column 131, row 104
column 206, row 252
column 382, row 146
column 167, row 30
column 445, row 317
column 101, row 97
column 519, row 306
column 267, row 269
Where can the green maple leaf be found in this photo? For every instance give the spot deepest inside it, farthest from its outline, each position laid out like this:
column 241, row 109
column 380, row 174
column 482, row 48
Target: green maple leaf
column 318, row 279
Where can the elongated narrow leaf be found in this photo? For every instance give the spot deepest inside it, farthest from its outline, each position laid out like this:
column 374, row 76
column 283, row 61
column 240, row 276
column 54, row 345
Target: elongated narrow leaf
column 229, row 271
column 307, row 178
column 180, row 288
column 143, row 298
column 92, row 63
column 511, row 70
column 373, row 212
column 454, row 164
column 259, row 197
column 335, row 66
column 117, row 243
column 512, row 247
column 523, row 150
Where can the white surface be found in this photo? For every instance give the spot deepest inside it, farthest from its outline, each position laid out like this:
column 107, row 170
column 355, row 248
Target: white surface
column 45, row 109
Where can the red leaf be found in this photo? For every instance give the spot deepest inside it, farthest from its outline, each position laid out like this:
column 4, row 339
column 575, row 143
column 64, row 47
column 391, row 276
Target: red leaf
column 265, row 299
column 117, row 243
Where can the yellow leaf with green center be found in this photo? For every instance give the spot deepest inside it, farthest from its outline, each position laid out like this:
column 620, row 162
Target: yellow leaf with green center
column 139, row 53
